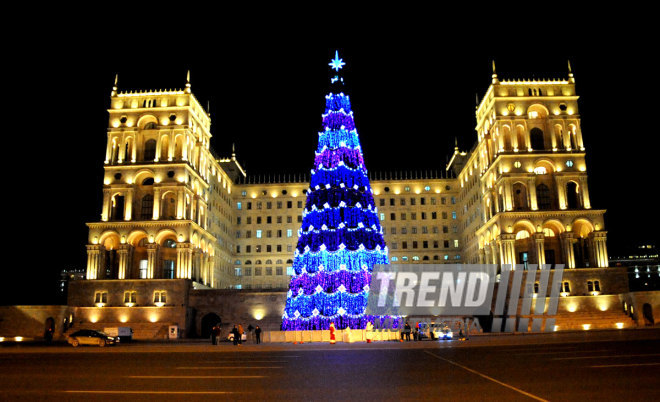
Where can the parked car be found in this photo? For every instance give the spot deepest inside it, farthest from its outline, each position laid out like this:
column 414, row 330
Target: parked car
column 125, row 334
column 230, row 337
column 443, row 333
column 91, row 337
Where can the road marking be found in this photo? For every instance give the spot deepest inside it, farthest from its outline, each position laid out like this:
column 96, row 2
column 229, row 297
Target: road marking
column 245, row 361
column 81, row 391
column 227, row 368
column 487, row 377
column 604, row 356
column 193, row 376
column 626, row 365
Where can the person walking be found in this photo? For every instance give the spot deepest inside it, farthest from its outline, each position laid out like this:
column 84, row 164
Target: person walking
column 257, row 334
column 240, row 335
column 406, row 329
column 234, row 332
column 216, row 334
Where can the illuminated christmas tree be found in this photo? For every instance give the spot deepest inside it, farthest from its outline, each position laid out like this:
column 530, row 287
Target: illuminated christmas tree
column 341, row 238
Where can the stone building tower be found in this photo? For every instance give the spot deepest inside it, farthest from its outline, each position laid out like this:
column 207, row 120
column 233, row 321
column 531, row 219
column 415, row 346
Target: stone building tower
column 529, row 168
column 164, row 193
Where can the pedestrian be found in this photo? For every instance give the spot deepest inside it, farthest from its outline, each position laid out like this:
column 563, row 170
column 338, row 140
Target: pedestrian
column 216, row 334
column 407, row 329
column 257, row 334
column 332, row 333
column 250, row 328
column 235, row 334
column 240, row 335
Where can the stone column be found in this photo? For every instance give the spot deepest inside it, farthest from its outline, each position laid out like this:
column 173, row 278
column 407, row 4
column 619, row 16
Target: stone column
column 599, row 245
column 128, row 205
column 584, row 192
column 482, row 256
column 531, row 189
column 567, row 241
column 105, row 212
column 122, row 253
column 180, row 203
column 156, row 212
column 508, row 196
column 93, row 261
column 560, row 183
column 508, row 242
column 152, row 259
column 539, row 239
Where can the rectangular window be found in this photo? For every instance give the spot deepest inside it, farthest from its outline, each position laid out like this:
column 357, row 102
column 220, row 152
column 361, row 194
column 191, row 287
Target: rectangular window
column 434, row 215
column 382, row 216
column 413, row 230
column 160, row 296
column 432, row 201
column 414, row 244
column 101, row 297
column 382, row 202
column 269, row 248
column 413, row 215
column 257, row 272
column 249, row 220
column 435, row 244
column 444, row 215
column 289, row 219
column 300, row 204
column 143, row 269
column 403, row 216
column 248, row 271
column 289, row 248
column 445, row 229
column 279, row 204
column 237, row 271
column 279, row 248
column 248, row 249
column 289, row 233
column 258, row 234
column 597, row 286
column 423, row 215
column 394, row 245
column 453, row 214
column 269, row 205
column 404, row 244
column 402, row 201
column 269, row 234
column 412, row 201
column 269, row 270
column 404, row 230
column 392, row 202
column 289, row 204
column 279, row 271
column 422, row 201
column 392, row 216
column 443, row 200
column 279, row 233
column 257, row 248
column 249, row 205
column 289, row 271
column 239, row 205
column 258, row 204
column 393, row 230
column 269, row 219
column 446, row 243
column 258, row 220
column 279, row 219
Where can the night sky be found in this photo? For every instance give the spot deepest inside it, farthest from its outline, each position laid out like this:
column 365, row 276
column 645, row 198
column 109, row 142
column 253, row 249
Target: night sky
column 412, row 93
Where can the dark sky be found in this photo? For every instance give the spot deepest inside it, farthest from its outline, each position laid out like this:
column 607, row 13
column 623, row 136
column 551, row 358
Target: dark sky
column 412, row 93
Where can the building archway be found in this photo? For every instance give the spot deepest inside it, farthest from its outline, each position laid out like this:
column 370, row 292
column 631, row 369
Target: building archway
column 647, row 313
column 208, row 322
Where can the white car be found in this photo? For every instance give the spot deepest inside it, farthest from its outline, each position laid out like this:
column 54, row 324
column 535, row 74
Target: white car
column 444, row 333
column 230, row 337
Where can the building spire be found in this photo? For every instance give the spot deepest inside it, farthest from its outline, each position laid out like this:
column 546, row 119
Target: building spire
column 233, row 151
column 114, row 87
column 188, row 82
column 571, row 79
column 495, row 79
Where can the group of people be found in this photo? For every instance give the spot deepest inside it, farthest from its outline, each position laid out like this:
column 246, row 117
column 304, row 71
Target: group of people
column 237, row 334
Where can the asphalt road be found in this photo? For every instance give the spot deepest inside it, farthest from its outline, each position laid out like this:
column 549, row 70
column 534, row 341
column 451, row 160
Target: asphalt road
column 614, row 366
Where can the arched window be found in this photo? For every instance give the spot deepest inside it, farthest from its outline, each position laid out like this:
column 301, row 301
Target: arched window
column 536, row 139
column 150, row 149
column 117, row 212
column 150, row 126
column 572, row 196
column 543, row 197
column 147, row 210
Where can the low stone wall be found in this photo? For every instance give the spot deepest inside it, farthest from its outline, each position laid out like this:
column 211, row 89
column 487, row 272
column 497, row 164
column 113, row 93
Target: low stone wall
column 30, row 321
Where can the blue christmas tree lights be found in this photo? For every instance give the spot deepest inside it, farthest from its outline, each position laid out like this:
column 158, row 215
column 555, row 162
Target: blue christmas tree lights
column 340, row 239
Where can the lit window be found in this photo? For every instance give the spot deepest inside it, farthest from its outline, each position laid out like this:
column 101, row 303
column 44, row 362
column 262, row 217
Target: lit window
column 540, row 170
column 239, row 205
column 569, row 163
column 289, row 271
column 289, row 233
column 395, row 259
column 258, row 234
column 160, row 297
column 382, row 216
column 101, row 297
column 427, row 188
column 130, row 297
column 517, row 164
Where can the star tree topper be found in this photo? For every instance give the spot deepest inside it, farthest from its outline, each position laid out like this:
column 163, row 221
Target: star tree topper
column 336, row 63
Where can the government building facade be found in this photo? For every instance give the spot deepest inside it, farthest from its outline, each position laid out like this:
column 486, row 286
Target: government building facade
column 186, row 238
